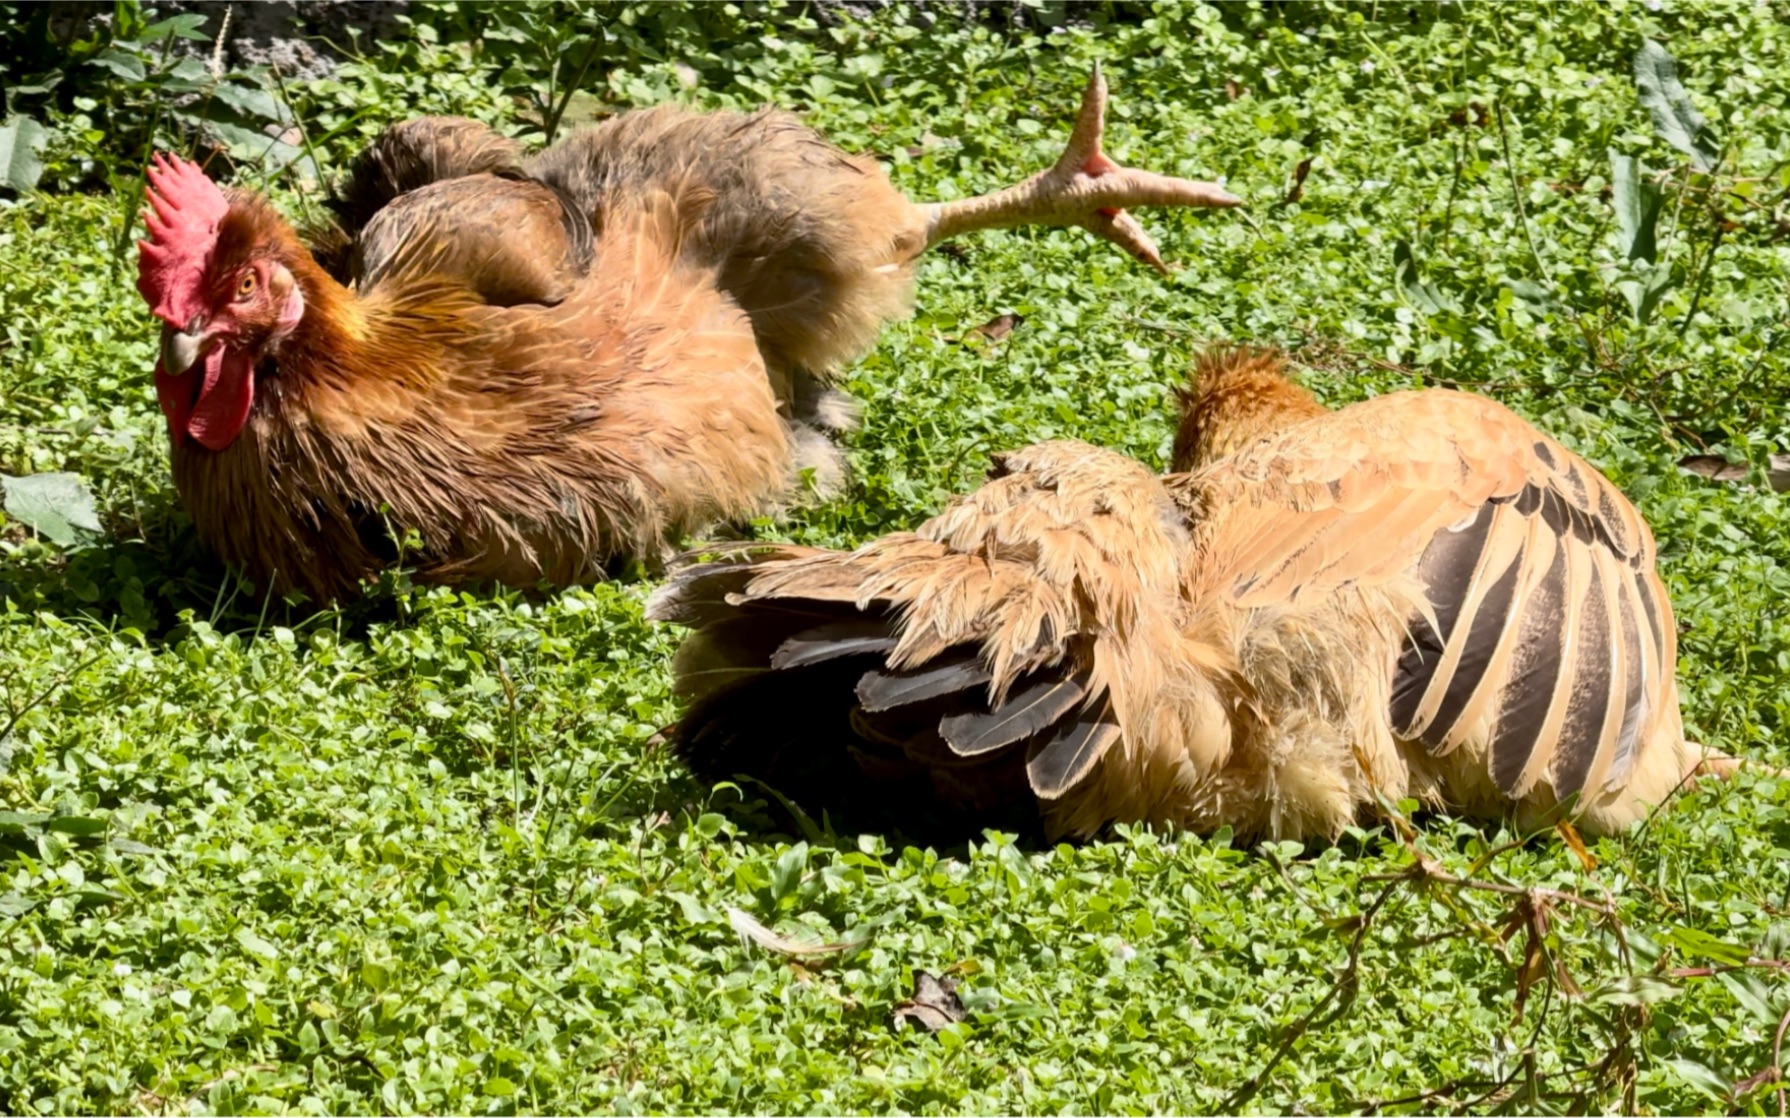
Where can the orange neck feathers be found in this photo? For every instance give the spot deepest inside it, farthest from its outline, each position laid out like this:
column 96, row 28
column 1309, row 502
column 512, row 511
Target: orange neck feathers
column 355, row 342
column 1235, row 397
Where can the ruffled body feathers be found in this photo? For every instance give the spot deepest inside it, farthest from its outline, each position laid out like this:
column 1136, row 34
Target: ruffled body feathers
column 1420, row 595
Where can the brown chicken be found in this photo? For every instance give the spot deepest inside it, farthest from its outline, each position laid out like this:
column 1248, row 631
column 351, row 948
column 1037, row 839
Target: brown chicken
column 1418, row 595
column 542, row 364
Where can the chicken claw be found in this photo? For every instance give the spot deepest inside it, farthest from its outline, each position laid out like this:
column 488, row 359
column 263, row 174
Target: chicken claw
column 1085, row 187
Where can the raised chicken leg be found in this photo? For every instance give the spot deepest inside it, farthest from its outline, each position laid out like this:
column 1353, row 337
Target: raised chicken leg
column 1085, row 187
column 816, row 245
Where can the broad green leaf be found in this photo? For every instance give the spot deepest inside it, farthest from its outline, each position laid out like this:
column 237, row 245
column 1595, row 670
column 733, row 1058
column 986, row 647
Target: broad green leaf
column 1700, row 1076
column 57, row 506
column 1675, row 119
column 251, row 102
column 248, row 145
column 43, row 84
column 21, row 142
column 15, row 822
column 1644, row 291
column 791, row 864
column 1699, row 944
column 255, row 945
column 1751, row 993
column 125, row 65
column 376, row 975
column 1531, row 292
column 190, row 70
column 1662, row 281
column 76, row 824
column 695, row 912
column 1421, row 294
column 1637, row 204
column 1637, row 989
column 187, row 25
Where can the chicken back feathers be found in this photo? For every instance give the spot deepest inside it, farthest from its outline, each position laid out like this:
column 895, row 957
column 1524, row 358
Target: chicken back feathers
column 1417, row 595
column 816, row 245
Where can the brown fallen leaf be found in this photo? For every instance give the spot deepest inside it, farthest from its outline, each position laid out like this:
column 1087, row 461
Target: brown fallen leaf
column 1459, row 117
column 752, row 931
column 934, row 1004
column 1717, row 468
column 1713, row 467
column 998, row 327
column 1298, row 189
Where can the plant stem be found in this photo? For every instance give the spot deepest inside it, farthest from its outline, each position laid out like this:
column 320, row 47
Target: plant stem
column 1517, row 195
column 551, row 124
column 1721, row 230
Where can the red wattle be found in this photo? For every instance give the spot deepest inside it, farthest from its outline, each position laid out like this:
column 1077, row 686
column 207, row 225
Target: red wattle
column 213, row 411
column 224, row 398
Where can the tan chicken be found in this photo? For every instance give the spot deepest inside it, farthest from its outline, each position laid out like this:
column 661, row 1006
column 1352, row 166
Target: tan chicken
column 545, row 364
column 1418, row 595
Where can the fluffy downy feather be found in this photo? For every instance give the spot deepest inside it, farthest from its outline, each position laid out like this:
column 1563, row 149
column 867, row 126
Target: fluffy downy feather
column 1416, row 595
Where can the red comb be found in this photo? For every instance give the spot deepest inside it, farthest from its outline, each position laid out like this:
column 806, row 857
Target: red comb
column 183, row 214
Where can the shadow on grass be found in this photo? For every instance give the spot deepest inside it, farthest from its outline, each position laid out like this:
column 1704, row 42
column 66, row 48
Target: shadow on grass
column 152, row 580
column 142, row 583
column 764, row 814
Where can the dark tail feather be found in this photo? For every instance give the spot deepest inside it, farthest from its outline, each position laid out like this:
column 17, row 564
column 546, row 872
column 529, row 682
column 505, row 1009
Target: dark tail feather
column 885, row 689
column 1066, row 758
column 1029, row 712
column 832, row 641
column 798, row 694
column 792, row 730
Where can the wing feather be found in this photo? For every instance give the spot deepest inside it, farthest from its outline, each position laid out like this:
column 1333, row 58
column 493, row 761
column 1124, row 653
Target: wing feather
column 1614, row 698
column 1528, row 687
column 1060, row 763
column 1481, row 613
column 1029, row 712
column 1538, row 634
column 832, row 641
column 887, row 688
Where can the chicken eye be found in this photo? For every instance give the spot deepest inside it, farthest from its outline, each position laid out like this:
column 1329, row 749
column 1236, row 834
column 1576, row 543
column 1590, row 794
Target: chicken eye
column 245, row 286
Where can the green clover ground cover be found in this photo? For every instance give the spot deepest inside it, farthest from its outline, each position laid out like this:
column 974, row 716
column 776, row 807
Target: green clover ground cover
column 422, row 854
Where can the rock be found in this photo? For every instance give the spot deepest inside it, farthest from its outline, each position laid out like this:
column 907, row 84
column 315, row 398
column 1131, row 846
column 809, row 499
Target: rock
column 303, row 38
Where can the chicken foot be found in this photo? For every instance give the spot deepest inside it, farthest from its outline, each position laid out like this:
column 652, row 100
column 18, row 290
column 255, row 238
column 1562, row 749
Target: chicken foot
column 1085, row 187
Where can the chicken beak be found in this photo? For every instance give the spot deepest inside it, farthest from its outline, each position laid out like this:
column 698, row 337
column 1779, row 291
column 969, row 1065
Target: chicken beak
column 180, row 350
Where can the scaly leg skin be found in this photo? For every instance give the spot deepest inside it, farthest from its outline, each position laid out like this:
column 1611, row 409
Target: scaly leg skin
column 1085, row 188
column 1720, row 766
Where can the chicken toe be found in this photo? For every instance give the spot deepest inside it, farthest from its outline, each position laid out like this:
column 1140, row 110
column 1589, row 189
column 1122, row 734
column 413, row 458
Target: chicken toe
column 1085, row 187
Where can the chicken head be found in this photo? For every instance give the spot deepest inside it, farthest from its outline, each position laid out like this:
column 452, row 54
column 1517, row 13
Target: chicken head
column 224, row 297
